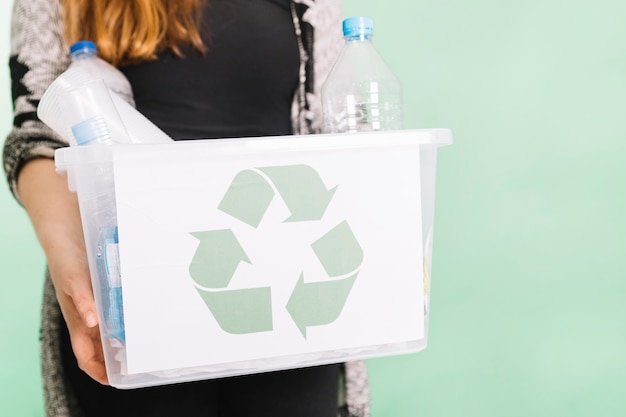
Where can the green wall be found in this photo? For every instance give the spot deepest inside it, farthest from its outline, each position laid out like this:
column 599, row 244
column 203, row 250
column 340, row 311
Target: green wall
column 528, row 310
column 21, row 273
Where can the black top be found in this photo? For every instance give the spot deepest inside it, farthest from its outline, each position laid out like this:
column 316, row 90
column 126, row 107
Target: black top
column 243, row 85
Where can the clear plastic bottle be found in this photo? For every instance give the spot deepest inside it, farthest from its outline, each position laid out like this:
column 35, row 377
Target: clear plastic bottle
column 99, row 124
column 361, row 93
column 84, row 54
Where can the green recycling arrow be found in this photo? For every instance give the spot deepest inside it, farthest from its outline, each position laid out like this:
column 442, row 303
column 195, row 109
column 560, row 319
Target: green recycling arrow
column 247, row 198
column 212, row 268
column 216, row 258
column 240, row 311
column 338, row 250
column 318, row 303
column 302, row 190
column 300, row 186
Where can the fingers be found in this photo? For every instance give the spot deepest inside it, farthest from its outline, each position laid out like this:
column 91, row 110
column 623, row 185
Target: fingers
column 80, row 292
column 87, row 348
column 77, row 303
column 88, row 351
column 69, row 270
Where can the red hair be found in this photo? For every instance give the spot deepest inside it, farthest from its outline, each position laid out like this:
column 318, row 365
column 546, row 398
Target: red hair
column 128, row 31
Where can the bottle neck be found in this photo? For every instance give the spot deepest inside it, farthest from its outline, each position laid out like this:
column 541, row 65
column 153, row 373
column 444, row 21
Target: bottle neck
column 83, row 54
column 359, row 37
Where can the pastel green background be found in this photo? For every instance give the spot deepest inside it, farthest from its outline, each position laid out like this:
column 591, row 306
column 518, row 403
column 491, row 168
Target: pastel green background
column 529, row 289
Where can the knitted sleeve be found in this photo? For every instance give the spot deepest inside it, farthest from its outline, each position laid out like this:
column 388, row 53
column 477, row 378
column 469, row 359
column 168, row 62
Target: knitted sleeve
column 38, row 56
column 318, row 28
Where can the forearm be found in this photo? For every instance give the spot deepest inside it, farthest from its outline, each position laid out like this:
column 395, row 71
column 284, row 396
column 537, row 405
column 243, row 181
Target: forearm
column 52, row 208
column 55, row 215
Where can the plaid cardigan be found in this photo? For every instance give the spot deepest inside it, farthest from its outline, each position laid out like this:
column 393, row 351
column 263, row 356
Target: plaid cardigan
column 39, row 54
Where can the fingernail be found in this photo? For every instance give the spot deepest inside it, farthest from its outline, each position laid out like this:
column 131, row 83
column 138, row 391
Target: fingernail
column 90, row 319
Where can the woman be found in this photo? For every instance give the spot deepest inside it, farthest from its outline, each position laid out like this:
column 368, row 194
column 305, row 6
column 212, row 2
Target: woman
column 199, row 69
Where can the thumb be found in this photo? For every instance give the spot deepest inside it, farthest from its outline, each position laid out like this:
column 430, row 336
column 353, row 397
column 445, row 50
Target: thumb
column 82, row 296
column 89, row 318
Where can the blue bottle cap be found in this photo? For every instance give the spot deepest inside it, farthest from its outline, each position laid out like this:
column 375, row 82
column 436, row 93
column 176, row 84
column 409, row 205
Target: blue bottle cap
column 359, row 25
column 83, row 46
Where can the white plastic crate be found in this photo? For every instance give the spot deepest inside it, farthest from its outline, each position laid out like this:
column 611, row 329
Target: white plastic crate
column 212, row 258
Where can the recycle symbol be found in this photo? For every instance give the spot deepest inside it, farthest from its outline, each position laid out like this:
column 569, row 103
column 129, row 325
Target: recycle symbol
column 313, row 301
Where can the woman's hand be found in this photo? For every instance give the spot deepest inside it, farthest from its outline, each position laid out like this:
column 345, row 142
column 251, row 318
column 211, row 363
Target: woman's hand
column 54, row 212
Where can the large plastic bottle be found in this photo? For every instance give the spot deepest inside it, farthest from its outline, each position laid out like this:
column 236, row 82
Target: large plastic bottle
column 361, row 92
column 125, row 123
column 102, row 129
column 84, row 54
